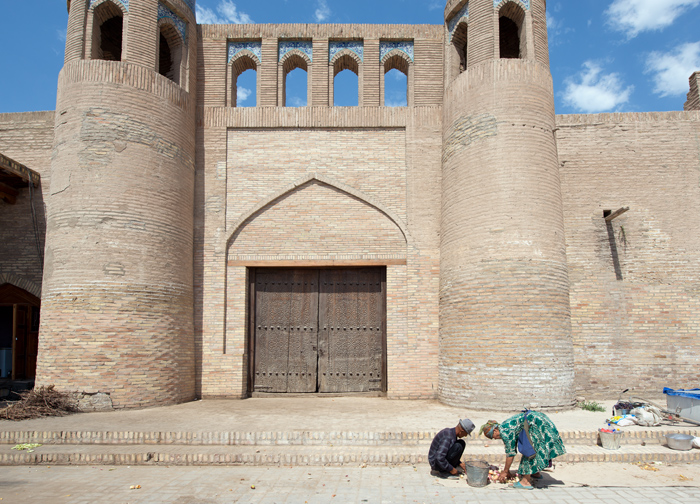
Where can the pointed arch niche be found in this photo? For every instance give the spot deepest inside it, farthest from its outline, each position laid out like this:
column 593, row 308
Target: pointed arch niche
column 318, row 219
column 294, row 55
column 172, row 54
column 512, row 32
column 104, row 30
column 345, row 56
column 243, row 57
column 396, row 56
column 315, row 222
column 457, row 38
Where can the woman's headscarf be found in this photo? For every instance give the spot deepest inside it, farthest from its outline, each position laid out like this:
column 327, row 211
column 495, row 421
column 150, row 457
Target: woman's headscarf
column 488, row 428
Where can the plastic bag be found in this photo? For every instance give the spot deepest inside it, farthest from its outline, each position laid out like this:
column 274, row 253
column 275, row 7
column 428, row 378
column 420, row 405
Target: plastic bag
column 696, row 442
column 623, row 420
column 648, row 416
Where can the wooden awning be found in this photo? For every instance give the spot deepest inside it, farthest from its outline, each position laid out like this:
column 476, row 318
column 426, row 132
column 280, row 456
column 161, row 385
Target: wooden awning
column 13, row 177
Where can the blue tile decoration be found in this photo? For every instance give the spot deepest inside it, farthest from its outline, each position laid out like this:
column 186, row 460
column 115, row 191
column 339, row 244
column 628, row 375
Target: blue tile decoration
column 190, row 4
column 462, row 14
column 252, row 46
column 405, row 46
column 125, row 3
column 180, row 24
column 356, row 46
column 304, row 46
column 525, row 3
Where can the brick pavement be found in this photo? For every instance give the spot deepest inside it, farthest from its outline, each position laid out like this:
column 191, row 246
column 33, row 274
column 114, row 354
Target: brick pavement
column 320, row 485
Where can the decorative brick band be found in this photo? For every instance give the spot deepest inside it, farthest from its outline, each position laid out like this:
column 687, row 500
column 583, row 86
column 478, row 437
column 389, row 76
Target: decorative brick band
column 297, row 438
column 317, row 117
column 332, row 456
column 125, row 74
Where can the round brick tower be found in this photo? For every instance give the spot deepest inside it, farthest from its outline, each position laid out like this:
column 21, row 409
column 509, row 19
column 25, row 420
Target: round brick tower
column 117, row 301
column 505, row 323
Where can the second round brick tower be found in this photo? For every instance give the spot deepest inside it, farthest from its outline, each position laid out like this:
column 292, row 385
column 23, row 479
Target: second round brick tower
column 117, row 301
column 505, row 323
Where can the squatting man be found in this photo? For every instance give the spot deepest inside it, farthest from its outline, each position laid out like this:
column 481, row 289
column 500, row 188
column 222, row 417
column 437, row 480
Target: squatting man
column 445, row 455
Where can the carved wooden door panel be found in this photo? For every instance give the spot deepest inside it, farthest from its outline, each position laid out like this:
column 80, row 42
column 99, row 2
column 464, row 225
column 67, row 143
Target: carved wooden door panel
column 286, row 330
column 351, row 337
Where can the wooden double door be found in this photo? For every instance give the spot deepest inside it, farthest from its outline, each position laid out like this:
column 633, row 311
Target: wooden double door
column 318, row 330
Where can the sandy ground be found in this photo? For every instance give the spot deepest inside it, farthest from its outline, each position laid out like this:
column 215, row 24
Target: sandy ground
column 301, row 413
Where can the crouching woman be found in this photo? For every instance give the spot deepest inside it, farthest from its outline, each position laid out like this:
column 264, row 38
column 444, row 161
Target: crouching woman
column 546, row 444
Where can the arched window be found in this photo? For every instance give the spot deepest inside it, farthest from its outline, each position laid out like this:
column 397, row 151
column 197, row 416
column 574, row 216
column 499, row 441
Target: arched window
column 511, row 36
column 395, row 84
column 244, row 84
column 107, row 32
column 294, row 80
column 170, row 52
column 459, row 49
column 346, row 86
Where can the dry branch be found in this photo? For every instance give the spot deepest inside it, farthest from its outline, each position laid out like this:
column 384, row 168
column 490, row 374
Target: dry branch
column 40, row 402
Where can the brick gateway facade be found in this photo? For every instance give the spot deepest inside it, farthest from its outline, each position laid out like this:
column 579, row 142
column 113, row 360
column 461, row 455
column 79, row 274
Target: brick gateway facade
column 480, row 209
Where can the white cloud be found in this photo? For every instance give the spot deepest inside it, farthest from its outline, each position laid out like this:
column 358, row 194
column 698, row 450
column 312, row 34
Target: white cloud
column 295, row 101
column 592, row 91
column 61, row 34
column 323, row 11
column 242, row 94
column 672, row 69
column 552, row 22
column 227, row 14
column 635, row 16
column 395, row 103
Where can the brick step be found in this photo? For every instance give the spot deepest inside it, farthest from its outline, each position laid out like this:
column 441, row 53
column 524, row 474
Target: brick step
column 306, row 455
column 299, row 438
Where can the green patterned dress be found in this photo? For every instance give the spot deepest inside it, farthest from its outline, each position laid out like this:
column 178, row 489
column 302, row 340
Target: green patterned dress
column 544, row 435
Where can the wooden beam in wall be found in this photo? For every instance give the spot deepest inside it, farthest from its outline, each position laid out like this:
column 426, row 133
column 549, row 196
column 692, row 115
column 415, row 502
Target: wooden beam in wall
column 616, row 214
column 318, row 263
column 18, row 170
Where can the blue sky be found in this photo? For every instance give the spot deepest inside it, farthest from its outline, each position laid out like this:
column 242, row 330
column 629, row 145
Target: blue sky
column 606, row 55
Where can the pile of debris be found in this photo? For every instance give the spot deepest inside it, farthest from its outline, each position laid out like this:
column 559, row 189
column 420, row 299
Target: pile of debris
column 40, row 402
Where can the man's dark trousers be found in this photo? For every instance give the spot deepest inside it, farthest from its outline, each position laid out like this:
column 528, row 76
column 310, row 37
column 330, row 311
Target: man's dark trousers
column 454, row 454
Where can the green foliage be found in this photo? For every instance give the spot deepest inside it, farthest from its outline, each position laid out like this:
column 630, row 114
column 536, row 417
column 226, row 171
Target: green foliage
column 591, row 406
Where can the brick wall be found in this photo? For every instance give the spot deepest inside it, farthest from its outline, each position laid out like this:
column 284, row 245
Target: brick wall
column 27, row 138
column 117, row 300
column 319, row 184
column 214, row 80
column 504, row 305
column 635, row 285
column 159, row 202
column 693, row 102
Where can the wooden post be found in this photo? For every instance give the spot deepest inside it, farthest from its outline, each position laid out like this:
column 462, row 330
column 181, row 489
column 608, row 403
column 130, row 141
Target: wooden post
column 616, row 213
